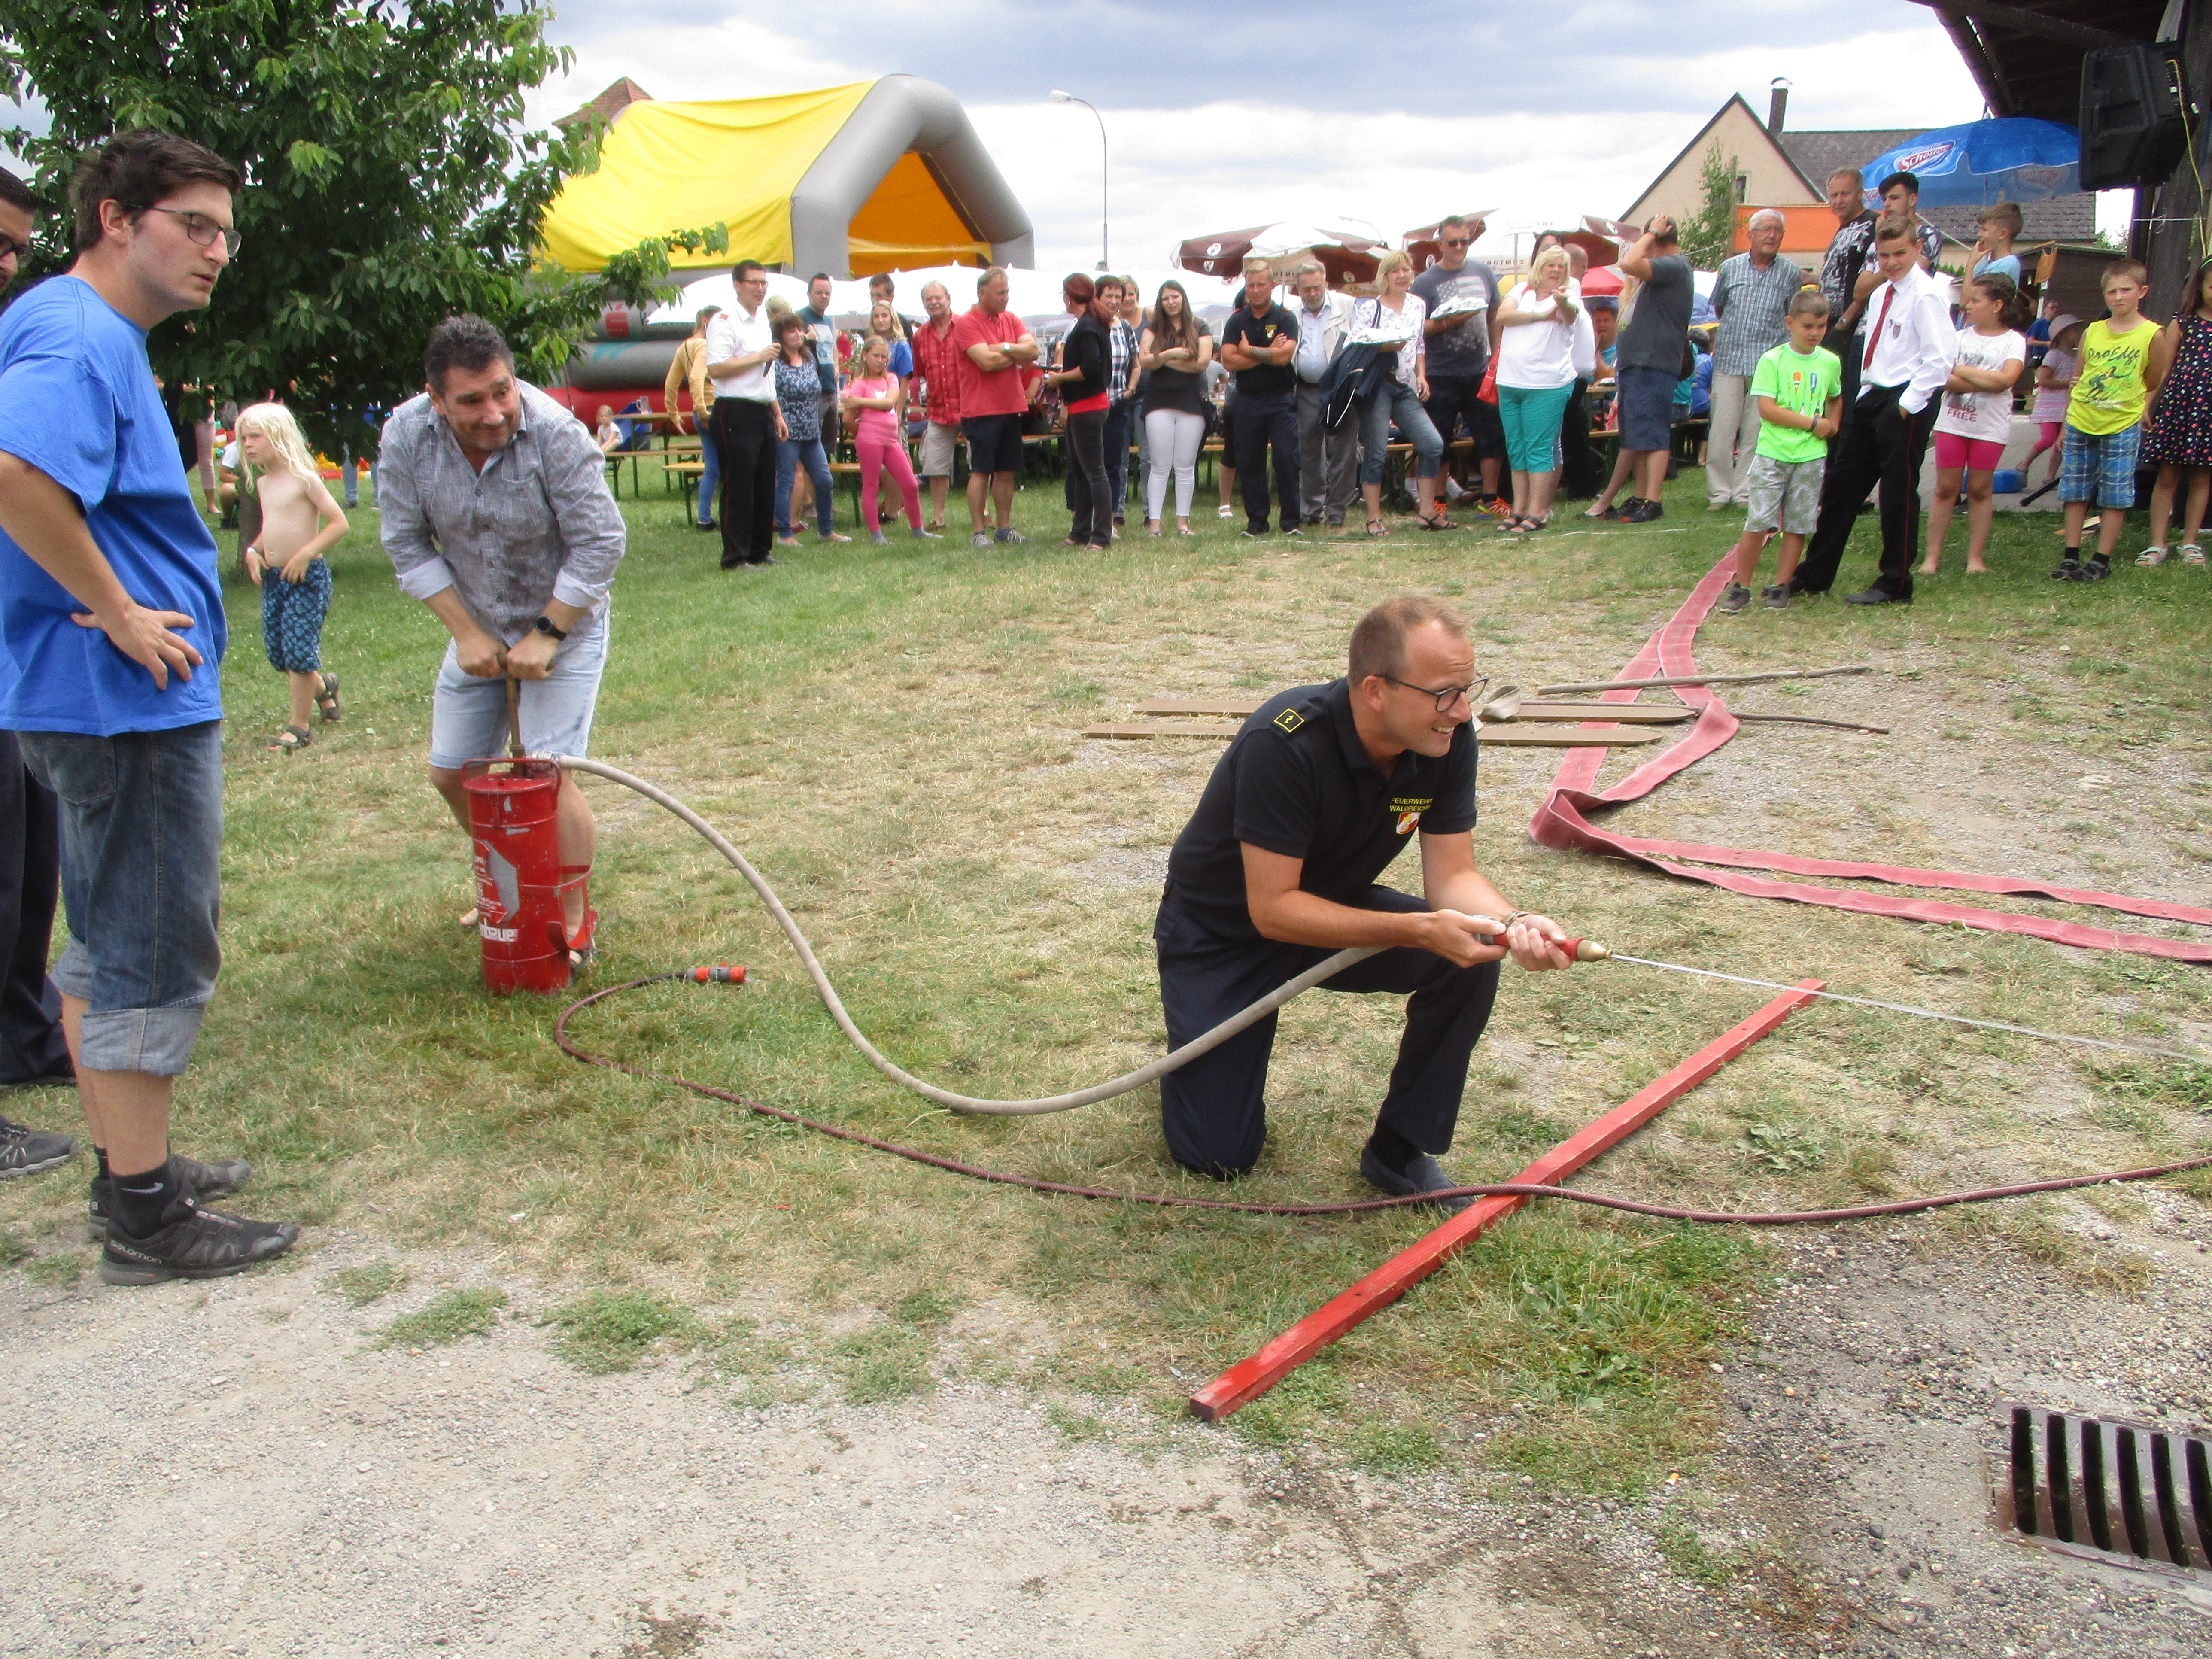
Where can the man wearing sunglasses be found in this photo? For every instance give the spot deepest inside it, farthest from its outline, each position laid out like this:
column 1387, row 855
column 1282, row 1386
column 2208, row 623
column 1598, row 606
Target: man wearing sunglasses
column 1321, row 788
column 1460, row 343
column 111, row 608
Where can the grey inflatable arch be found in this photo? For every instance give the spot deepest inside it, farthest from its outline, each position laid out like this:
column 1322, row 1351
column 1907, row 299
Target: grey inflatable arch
column 904, row 112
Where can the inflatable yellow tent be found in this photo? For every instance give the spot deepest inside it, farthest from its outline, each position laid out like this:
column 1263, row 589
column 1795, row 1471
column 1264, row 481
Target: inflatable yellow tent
column 880, row 175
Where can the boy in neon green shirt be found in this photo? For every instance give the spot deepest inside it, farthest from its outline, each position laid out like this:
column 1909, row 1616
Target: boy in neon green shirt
column 2104, row 422
column 1799, row 387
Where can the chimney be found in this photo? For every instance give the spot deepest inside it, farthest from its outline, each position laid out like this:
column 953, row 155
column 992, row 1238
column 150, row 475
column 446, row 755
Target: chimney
column 1778, row 102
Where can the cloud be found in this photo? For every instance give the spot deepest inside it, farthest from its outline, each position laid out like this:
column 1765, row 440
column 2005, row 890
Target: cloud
column 1542, row 114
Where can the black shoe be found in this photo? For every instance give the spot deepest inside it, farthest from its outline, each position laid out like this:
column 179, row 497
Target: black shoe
column 1777, row 597
column 1292, row 530
column 1644, row 513
column 193, row 1244
column 1251, row 535
column 1615, row 513
column 733, row 564
column 765, row 558
column 707, row 524
column 2069, row 570
column 1423, row 1175
column 200, row 1180
column 1736, row 598
column 2096, row 571
column 1875, row 595
column 26, row 1151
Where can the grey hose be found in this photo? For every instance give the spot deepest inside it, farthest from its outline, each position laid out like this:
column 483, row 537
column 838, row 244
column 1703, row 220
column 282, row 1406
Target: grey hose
column 1121, row 1085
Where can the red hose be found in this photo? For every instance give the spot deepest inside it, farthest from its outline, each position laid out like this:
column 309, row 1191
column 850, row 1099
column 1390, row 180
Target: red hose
column 1358, row 1206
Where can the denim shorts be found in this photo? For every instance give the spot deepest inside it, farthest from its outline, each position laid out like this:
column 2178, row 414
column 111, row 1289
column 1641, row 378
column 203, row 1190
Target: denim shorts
column 2100, row 469
column 1646, row 403
column 468, row 715
column 142, row 886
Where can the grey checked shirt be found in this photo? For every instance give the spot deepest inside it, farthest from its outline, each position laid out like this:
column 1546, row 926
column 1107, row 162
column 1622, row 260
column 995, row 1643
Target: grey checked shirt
column 1753, row 304
column 537, row 523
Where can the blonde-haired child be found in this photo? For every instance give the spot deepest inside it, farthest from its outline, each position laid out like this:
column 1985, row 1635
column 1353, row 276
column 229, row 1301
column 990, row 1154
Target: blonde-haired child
column 300, row 523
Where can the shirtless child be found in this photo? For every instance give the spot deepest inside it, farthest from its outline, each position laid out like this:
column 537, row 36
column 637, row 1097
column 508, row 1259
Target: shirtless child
column 300, row 523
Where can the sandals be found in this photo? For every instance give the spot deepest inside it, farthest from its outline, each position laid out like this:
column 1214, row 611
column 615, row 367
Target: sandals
column 584, row 943
column 1440, row 522
column 291, row 739
column 327, row 700
column 1377, row 529
column 2151, row 556
column 1526, row 525
column 2191, row 553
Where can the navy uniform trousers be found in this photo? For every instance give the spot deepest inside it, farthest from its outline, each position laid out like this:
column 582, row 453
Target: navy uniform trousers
column 1215, row 1109
column 30, row 1043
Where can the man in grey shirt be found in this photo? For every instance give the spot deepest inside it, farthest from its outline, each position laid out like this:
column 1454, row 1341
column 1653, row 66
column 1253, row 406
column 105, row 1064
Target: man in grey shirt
column 496, row 515
column 1751, row 295
column 1646, row 365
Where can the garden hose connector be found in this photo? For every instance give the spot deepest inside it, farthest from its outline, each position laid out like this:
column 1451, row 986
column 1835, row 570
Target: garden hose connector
column 1587, row 950
column 720, row 974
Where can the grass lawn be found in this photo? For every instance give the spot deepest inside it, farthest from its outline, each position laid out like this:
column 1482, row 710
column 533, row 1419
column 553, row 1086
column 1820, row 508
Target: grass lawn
column 890, row 734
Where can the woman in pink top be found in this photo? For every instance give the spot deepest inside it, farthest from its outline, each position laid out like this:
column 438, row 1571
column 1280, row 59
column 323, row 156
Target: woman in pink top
column 880, row 398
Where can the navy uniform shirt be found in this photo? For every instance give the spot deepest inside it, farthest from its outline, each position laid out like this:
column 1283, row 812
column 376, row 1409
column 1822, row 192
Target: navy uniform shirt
column 1269, row 379
column 1296, row 781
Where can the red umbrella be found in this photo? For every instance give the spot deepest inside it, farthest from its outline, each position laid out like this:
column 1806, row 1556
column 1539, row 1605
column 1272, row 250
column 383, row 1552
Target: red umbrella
column 1346, row 256
column 1603, row 279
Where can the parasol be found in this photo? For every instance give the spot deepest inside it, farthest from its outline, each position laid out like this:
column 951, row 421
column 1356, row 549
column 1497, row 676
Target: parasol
column 2018, row 159
column 1348, row 256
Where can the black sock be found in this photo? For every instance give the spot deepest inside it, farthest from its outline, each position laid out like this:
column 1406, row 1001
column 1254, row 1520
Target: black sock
column 101, row 1153
column 141, row 1201
column 2073, row 553
column 2100, row 558
column 1392, row 1149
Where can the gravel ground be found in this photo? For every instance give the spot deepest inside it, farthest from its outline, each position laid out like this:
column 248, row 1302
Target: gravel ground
column 237, row 1467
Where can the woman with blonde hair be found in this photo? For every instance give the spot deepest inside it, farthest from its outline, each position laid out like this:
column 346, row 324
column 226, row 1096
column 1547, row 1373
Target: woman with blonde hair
column 1395, row 311
column 1536, row 378
column 300, row 523
column 1174, row 350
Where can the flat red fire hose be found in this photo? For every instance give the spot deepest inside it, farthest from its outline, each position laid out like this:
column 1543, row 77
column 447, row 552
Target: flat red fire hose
column 1560, row 822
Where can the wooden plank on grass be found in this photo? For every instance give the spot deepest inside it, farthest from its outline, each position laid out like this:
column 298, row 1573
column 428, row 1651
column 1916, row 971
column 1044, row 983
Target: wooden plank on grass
column 1632, row 713
column 1235, row 708
column 1127, row 731
column 1514, row 735
column 1248, row 1379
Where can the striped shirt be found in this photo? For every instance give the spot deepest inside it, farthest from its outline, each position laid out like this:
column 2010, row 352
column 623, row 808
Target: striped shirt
column 1752, row 304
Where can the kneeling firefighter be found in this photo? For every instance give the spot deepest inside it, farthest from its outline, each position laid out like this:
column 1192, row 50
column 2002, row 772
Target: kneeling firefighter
column 1322, row 788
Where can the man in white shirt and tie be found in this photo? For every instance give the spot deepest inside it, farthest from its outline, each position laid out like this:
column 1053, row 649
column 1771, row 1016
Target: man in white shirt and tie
column 1328, row 461
column 1905, row 357
column 740, row 346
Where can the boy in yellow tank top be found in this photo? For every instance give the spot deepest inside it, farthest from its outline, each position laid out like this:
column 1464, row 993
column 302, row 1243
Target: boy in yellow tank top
column 2104, row 422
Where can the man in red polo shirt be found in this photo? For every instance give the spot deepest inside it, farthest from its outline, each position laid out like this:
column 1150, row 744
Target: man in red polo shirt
column 995, row 347
column 937, row 371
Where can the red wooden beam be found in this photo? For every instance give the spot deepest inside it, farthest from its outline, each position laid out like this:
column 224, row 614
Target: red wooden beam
column 1248, row 1379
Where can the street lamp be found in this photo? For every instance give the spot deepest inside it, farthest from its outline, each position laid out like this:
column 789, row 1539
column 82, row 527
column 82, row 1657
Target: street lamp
column 1059, row 97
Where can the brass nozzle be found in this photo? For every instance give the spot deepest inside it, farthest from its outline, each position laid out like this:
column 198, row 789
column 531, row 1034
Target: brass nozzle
column 1589, row 950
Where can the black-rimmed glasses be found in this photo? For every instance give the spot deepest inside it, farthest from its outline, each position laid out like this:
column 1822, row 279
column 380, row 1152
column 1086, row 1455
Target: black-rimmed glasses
column 1448, row 695
column 204, row 230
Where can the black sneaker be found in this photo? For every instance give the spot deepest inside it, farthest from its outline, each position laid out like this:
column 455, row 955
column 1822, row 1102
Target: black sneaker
column 28, row 1151
column 1619, row 510
column 1251, row 535
column 2095, row 570
column 201, row 1179
column 2069, row 570
column 1777, row 597
column 1292, row 530
column 1644, row 513
column 1423, row 1175
column 1012, row 538
column 193, row 1244
column 1736, row 598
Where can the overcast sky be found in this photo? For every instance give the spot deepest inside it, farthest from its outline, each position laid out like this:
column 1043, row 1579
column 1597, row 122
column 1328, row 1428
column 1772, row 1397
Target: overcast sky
column 1392, row 114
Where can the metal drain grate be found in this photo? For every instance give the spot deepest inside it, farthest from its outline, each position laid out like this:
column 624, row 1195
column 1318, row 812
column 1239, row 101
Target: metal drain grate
column 2121, row 1489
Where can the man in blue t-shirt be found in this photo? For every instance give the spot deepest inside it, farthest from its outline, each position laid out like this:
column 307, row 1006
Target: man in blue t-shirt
column 110, row 613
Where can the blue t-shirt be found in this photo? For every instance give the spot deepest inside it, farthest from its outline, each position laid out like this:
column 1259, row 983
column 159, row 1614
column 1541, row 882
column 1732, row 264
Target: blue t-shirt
column 78, row 401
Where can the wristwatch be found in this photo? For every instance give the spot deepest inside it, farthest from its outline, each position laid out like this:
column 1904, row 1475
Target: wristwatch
column 544, row 625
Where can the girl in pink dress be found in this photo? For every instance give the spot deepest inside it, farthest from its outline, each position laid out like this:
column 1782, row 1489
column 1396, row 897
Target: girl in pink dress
column 876, row 394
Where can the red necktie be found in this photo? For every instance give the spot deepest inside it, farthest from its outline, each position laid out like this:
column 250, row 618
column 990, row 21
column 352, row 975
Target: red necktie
column 1888, row 293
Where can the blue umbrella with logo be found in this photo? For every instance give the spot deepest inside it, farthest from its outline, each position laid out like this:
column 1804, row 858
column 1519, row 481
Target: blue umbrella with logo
column 2018, row 159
